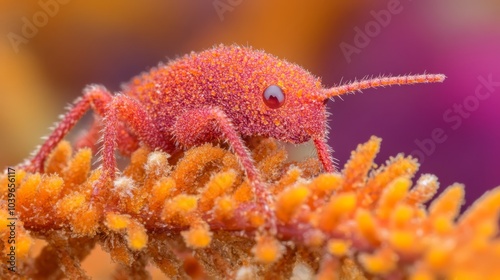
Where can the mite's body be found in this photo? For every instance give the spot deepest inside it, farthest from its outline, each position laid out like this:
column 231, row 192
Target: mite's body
column 233, row 80
column 222, row 93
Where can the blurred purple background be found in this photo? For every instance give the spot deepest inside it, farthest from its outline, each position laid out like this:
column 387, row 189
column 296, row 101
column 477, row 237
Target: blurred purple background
column 94, row 42
column 458, row 38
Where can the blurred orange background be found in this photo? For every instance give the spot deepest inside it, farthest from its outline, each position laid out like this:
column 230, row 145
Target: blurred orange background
column 108, row 42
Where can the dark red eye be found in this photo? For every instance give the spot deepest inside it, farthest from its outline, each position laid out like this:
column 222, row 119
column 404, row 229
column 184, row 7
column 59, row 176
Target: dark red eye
column 274, row 97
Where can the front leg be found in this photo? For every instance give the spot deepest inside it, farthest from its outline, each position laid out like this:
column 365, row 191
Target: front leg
column 324, row 154
column 205, row 124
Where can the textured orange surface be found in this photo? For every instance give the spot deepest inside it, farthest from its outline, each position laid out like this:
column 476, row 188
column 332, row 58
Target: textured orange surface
column 189, row 215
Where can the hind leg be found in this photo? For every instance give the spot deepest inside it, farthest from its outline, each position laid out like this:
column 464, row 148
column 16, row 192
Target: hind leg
column 126, row 110
column 95, row 97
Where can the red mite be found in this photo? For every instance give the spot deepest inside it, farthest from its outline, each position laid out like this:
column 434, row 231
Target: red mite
column 226, row 93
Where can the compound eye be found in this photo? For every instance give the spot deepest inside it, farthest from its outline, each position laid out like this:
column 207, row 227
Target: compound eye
column 274, row 97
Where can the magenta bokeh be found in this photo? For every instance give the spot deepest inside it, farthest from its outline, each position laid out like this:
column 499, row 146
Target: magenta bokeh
column 415, row 41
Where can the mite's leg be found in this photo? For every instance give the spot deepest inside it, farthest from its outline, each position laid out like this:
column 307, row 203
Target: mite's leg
column 90, row 137
column 126, row 142
column 201, row 125
column 132, row 113
column 94, row 96
column 324, row 155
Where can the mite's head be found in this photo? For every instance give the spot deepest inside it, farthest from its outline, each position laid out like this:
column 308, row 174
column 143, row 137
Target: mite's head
column 272, row 97
column 289, row 102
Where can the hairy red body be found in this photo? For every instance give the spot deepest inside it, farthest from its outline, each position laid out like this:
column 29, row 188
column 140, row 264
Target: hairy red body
column 223, row 93
column 233, row 80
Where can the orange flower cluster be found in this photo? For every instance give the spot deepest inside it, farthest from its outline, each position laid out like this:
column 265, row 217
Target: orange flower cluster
column 193, row 215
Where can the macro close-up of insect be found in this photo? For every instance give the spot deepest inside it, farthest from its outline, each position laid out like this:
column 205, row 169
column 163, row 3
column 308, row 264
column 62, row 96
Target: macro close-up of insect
column 224, row 93
column 232, row 139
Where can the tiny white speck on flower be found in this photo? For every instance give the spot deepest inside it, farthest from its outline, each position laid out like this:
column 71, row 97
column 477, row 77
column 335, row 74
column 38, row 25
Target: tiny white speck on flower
column 124, row 186
column 302, row 271
column 427, row 179
column 158, row 163
column 245, row 273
